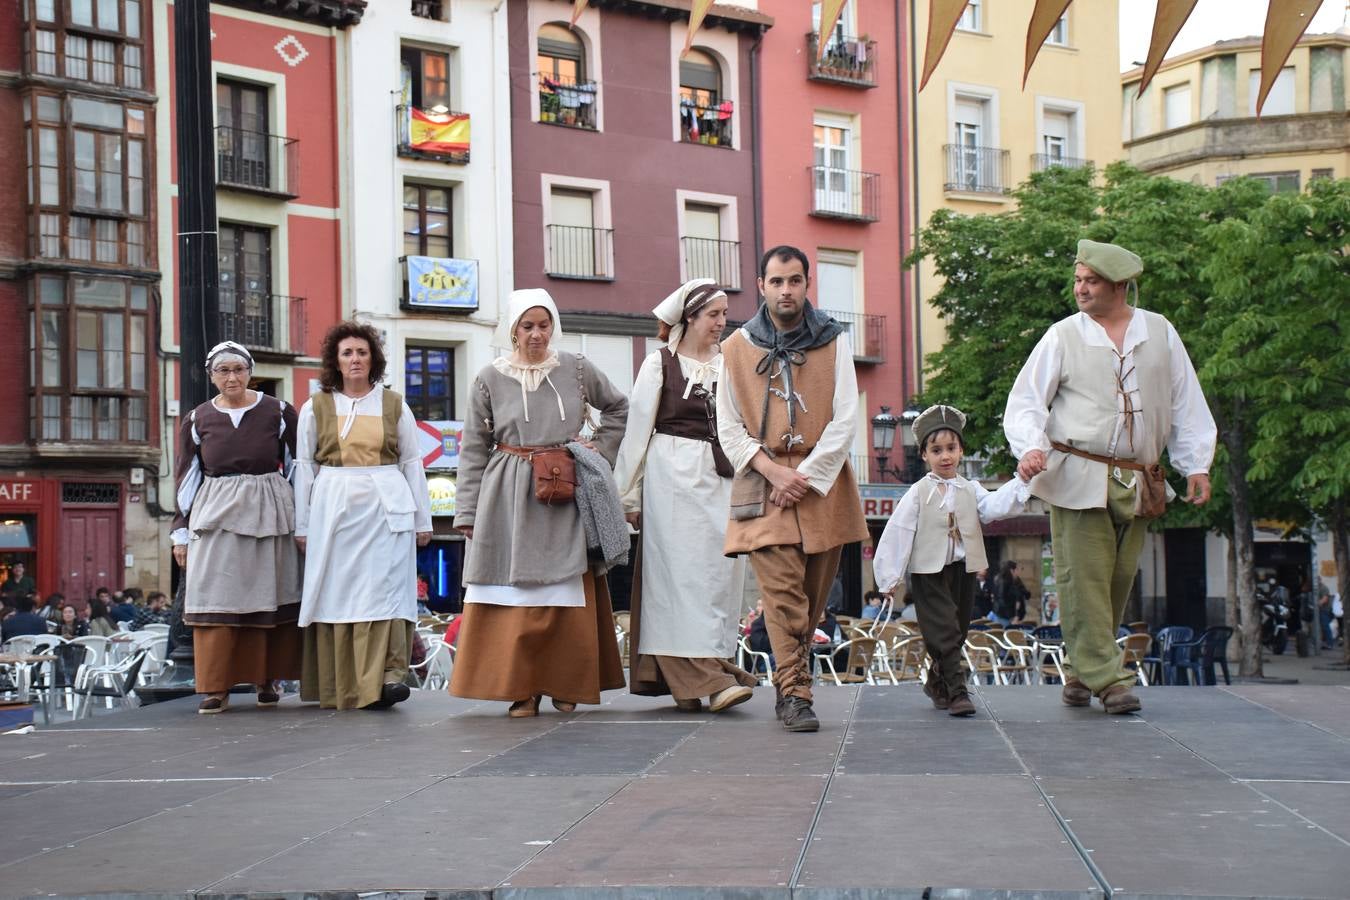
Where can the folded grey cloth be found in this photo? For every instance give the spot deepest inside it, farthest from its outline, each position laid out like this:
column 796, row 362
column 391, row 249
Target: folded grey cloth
column 601, row 512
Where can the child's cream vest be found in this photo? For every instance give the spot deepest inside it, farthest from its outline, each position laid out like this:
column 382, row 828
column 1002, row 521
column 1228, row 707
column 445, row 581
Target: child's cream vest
column 929, row 555
column 1084, row 411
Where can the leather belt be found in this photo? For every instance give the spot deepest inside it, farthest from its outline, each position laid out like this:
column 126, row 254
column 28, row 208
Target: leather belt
column 527, row 453
column 1130, row 464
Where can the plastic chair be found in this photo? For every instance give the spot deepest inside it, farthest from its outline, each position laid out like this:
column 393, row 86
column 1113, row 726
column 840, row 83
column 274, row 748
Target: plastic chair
column 982, row 654
column 1198, row 657
column 1015, row 655
column 1136, row 648
column 761, row 664
column 118, row 681
column 858, row 667
column 1161, row 670
column 909, row 660
column 433, row 672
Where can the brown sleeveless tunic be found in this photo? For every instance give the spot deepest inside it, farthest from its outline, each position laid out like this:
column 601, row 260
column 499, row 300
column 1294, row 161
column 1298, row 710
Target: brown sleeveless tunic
column 816, row 523
column 694, row 418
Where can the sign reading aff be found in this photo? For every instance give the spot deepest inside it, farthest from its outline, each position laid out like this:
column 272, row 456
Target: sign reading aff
column 18, row 491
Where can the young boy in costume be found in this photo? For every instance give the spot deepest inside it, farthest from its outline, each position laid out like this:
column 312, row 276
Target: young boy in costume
column 934, row 537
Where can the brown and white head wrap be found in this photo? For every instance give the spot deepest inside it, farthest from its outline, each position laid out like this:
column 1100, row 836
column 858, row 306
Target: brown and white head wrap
column 687, row 301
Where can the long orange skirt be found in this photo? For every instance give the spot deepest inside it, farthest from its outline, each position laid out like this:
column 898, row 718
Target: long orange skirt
column 514, row 652
column 226, row 655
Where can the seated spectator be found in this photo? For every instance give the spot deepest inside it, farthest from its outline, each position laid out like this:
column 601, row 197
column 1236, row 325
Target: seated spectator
column 17, row 585
column 124, row 609
column 71, row 625
column 908, row 613
column 51, row 610
column 452, row 630
column 99, row 623
column 759, row 635
column 24, row 621
column 872, row 604
column 750, row 618
column 156, row 611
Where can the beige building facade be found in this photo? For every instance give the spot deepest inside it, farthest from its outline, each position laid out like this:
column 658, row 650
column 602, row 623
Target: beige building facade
column 1197, row 120
column 979, row 134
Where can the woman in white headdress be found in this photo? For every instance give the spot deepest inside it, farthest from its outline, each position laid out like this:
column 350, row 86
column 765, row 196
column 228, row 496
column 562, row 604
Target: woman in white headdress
column 233, row 534
column 537, row 620
column 676, row 486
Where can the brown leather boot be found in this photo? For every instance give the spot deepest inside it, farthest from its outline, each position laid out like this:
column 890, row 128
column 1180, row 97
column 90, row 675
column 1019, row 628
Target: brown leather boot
column 1119, row 699
column 961, row 705
column 1075, row 693
column 937, row 692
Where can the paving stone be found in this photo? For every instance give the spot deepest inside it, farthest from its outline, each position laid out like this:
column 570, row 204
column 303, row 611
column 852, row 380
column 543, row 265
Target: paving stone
column 971, row 832
column 1197, row 837
column 946, row 747
column 596, row 748
column 1123, row 747
column 1326, row 706
column 1282, row 749
column 463, row 833
column 1326, row 804
column 685, row 831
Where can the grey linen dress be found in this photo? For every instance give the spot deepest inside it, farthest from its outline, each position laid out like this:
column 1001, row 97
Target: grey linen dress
column 516, row 652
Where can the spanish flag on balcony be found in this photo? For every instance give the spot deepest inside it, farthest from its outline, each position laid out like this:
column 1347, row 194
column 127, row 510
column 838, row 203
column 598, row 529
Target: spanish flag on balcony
column 438, row 132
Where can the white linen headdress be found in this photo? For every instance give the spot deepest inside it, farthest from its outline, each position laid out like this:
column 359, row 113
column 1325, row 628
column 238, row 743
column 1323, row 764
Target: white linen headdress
column 529, row 375
column 229, row 350
column 672, row 309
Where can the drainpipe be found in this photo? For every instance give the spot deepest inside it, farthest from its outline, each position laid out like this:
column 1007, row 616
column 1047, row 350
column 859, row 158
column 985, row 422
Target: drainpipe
column 914, row 134
column 757, row 184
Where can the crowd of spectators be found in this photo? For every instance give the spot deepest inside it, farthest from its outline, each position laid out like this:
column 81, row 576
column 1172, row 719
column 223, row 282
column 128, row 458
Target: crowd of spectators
column 24, row 612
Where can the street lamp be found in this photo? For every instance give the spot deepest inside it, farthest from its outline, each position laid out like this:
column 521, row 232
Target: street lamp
column 884, row 425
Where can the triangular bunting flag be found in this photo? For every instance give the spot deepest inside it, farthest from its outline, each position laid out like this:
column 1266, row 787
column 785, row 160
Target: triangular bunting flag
column 577, row 7
column 1286, row 20
column 1167, row 22
column 1043, row 19
column 942, row 18
column 697, row 10
column 829, row 16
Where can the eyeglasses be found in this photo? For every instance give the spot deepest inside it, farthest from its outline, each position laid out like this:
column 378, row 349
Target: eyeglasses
column 238, row 371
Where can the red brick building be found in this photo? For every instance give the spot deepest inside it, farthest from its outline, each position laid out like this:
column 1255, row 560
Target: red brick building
column 79, row 288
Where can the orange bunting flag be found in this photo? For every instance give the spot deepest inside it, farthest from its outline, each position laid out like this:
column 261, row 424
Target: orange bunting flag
column 942, row 18
column 577, row 7
column 438, row 132
column 697, row 10
column 1167, row 22
column 1286, row 20
column 1043, row 19
column 829, row 16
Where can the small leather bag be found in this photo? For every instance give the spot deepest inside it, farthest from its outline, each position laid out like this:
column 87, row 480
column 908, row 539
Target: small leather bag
column 555, row 476
column 1151, row 491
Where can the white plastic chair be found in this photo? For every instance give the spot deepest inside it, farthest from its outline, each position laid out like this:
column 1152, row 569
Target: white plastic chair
column 114, row 681
column 156, row 627
column 433, row 672
column 743, row 652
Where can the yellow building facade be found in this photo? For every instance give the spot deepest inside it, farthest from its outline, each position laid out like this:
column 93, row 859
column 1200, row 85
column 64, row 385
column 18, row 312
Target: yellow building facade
column 978, row 133
column 1197, row 120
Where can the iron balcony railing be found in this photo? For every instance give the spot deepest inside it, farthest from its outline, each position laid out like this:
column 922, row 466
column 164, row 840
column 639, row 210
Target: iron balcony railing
column 567, row 102
column 428, row 9
column 866, row 332
column 844, row 194
column 711, row 258
column 267, row 322
column 976, row 170
column 1042, row 161
column 710, row 124
column 846, row 60
column 254, row 161
column 860, row 465
column 446, row 147
column 575, row 251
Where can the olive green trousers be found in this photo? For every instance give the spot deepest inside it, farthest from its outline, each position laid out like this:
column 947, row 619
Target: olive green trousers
column 1096, row 556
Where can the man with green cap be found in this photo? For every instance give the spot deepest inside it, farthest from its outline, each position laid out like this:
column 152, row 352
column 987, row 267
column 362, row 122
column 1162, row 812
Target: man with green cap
column 1103, row 393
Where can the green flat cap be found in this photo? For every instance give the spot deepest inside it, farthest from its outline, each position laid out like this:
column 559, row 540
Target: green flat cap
column 1109, row 261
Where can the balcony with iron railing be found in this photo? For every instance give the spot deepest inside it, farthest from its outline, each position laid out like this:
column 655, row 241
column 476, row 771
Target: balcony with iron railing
column 1042, row 161
column 257, row 162
column 266, row 323
column 844, row 194
column 437, row 134
column 866, row 332
column 847, row 60
column 568, row 102
column 576, row 251
column 706, row 124
column 976, row 170
column 710, row 258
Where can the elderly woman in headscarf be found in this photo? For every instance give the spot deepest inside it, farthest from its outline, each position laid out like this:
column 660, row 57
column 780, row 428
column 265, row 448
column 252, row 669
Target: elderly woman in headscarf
column 362, row 510
column 233, row 535
column 537, row 618
column 676, row 487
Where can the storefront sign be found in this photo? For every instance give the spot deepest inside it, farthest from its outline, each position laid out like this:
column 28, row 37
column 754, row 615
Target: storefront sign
column 435, row 283
column 438, row 442
column 18, row 492
column 879, row 500
column 441, row 489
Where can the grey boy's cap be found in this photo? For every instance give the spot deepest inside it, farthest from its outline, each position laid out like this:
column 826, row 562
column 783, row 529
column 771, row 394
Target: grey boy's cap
column 1110, row 261
column 936, row 418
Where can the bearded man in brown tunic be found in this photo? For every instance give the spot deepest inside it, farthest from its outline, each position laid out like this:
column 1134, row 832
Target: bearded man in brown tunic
column 786, row 415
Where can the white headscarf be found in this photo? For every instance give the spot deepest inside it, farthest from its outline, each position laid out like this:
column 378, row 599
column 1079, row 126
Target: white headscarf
column 229, row 350
column 672, row 311
column 530, row 375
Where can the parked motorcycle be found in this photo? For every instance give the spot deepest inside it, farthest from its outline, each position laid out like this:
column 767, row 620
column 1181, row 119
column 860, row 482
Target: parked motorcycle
column 1274, row 624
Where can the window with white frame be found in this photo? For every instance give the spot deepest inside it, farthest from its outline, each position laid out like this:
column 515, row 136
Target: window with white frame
column 838, row 281
column 708, row 245
column 1059, row 35
column 967, row 162
column 1177, row 106
column 972, row 18
column 833, row 164
column 1280, row 100
column 577, row 246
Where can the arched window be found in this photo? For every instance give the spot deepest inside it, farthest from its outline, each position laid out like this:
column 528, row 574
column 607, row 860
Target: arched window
column 705, row 117
column 566, row 95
